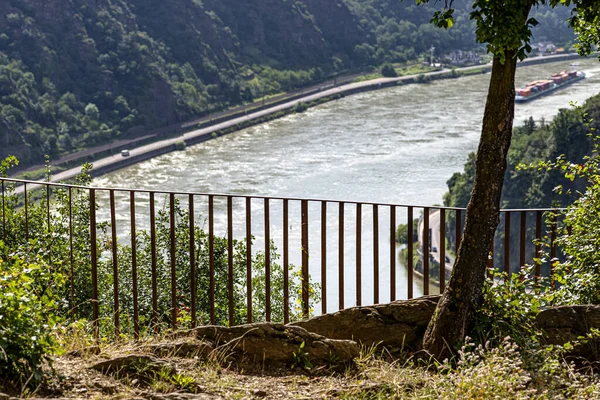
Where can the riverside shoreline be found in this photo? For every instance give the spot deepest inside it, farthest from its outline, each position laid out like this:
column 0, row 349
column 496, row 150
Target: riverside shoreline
column 243, row 119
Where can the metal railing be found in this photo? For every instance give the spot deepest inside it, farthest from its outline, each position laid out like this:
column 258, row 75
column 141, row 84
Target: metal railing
column 212, row 245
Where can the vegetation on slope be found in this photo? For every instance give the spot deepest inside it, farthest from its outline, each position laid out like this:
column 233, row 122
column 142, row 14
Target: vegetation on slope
column 76, row 74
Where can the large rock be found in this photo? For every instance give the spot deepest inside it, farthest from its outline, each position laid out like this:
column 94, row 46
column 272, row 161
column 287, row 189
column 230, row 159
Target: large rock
column 268, row 345
column 397, row 325
column 565, row 324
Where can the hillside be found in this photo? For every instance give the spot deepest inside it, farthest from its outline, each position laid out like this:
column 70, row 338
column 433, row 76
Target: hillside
column 75, row 73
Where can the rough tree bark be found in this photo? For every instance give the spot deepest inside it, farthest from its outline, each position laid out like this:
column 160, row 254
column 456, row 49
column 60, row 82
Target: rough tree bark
column 455, row 312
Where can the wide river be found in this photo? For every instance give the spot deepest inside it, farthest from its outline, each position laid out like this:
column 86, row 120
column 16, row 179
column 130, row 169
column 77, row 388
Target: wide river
column 398, row 145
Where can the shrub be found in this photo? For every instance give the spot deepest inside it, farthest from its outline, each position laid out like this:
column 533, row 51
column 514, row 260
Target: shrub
column 28, row 300
column 388, row 71
column 180, row 145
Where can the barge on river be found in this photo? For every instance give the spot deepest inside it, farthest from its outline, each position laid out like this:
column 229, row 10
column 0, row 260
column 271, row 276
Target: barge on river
column 540, row 88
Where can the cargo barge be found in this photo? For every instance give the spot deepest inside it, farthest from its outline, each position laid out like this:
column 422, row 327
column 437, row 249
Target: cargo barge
column 540, row 88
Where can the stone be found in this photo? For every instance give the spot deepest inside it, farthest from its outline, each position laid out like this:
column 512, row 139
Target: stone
column 271, row 346
column 184, row 347
column 563, row 324
column 398, row 325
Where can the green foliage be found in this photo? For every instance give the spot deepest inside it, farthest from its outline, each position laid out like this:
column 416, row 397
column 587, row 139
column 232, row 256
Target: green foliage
column 88, row 75
column 29, row 296
column 53, row 245
column 402, row 234
column 300, row 107
column 388, row 71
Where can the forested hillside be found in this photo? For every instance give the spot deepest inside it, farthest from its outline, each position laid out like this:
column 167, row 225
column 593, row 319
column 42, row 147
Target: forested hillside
column 74, row 73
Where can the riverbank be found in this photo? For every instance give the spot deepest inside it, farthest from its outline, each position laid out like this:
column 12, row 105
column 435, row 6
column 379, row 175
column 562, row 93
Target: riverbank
column 234, row 122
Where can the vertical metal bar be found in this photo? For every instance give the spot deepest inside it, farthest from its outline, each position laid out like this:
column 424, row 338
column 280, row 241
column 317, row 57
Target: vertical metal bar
column 538, row 247
column 48, row 207
column 230, row 260
column 323, row 257
column 211, row 257
column 267, row 261
column 4, row 212
column 426, row 249
column 286, row 263
column 172, row 228
column 442, row 249
column 341, row 256
column 94, row 261
column 134, row 280
column 458, row 229
column 192, row 259
column 507, row 244
column 115, row 261
column 26, row 212
column 410, row 253
column 71, row 260
column 375, row 254
column 552, row 246
column 392, row 253
column 249, row 260
column 48, row 226
column 358, row 254
column 153, row 263
column 522, row 239
column 305, row 253
column 490, row 264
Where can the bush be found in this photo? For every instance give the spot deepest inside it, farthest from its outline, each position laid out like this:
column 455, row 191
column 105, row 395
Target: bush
column 300, row 107
column 180, row 145
column 388, row 71
column 27, row 317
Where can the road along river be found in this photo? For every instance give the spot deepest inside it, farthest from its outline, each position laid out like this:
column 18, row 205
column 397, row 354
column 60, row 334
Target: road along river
column 398, row 145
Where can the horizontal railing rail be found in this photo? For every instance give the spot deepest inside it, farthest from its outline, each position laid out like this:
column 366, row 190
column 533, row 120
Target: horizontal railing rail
column 140, row 259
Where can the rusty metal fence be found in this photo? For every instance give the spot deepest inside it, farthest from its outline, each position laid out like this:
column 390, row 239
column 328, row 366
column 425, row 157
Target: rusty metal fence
column 347, row 249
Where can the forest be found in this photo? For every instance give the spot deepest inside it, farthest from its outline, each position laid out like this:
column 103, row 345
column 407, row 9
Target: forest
column 75, row 74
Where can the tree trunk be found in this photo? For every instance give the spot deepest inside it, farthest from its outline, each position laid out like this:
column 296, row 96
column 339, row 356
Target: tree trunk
column 455, row 313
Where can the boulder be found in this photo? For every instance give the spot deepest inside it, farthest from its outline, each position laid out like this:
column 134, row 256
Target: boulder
column 565, row 324
column 272, row 346
column 397, row 325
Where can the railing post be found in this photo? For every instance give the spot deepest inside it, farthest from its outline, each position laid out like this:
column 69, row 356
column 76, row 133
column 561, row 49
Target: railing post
column 267, row 260
column 115, row 261
column 426, row 247
column 305, row 253
column 249, row 260
column 410, row 253
column 136, row 316
column 442, row 249
column 94, row 261
column 507, row 244
column 341, row 256
column 173, row 251
column 392, row 253
column 375, row 254
column 358, row 254
column 286, row 282
column 153, row 263
column 323, row 257
column 192, row 259
column 230, row 286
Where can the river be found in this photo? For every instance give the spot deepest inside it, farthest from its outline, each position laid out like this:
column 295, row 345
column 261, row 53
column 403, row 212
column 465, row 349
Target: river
column 398, row 145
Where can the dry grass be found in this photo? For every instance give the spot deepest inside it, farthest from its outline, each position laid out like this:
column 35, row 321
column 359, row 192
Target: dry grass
column 504, row 372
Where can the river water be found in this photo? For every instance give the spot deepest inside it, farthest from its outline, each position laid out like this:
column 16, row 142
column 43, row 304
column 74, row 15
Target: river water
column 398, row 145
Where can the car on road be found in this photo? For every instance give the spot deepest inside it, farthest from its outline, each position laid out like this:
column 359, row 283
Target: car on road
column 434, row 249
column 125, row 153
